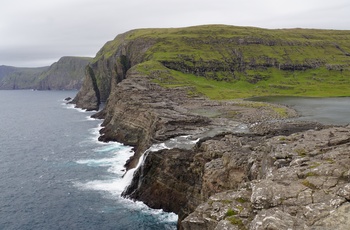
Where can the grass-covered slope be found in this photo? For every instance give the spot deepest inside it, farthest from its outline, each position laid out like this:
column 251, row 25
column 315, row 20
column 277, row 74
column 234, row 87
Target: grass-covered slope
column 225, row 62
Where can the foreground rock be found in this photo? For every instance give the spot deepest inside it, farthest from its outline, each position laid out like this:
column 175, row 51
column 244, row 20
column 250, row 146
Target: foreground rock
column 251, row 167
column 300, row 181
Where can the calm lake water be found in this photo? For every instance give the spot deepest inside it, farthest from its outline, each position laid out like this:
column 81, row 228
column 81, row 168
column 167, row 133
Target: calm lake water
column 325, row 110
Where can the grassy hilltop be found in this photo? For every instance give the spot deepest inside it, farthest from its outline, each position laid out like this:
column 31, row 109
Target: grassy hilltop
column 225, row 62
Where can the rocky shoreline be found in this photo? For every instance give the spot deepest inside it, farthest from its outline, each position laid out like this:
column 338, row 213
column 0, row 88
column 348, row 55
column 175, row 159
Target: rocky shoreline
column 269, row 174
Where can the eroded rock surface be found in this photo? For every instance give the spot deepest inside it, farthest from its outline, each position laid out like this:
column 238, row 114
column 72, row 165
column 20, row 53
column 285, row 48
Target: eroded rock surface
column 300, row 181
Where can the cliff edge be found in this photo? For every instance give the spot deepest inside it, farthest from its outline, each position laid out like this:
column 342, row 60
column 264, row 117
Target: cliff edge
column 250, row 168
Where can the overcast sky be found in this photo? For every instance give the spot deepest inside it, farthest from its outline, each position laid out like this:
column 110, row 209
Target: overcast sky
column 39, row 32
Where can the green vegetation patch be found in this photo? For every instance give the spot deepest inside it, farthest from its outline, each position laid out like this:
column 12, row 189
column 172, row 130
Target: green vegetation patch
column 242, row 200
column 231, row 212
column 227, row 62
column 309, row 174
column 309, row 184
column 237, row 221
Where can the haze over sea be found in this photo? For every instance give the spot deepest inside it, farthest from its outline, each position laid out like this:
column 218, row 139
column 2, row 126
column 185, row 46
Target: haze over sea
column 54, row 174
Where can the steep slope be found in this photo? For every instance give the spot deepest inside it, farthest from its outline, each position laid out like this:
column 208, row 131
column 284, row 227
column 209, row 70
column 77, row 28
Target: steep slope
column 19, row 78
column 67, row 73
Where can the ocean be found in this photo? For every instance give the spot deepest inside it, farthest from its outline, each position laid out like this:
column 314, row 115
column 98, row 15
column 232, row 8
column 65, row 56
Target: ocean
column 55, row 174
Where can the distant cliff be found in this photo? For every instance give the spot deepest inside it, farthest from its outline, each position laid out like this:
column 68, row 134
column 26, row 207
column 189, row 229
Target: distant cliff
column 67, row 73
column 20, row 78
column 163, row 83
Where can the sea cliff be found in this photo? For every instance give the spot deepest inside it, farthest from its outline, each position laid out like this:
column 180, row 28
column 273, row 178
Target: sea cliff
column 250, row 168
column 65, row 74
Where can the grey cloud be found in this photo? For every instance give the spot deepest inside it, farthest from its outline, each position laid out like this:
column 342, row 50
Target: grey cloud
column 35, row 33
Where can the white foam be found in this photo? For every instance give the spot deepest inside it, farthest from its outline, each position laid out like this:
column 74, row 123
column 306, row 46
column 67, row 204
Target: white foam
column 95, row 133
column 112, row 186
column 163, row 217
column 72, row 106
column 119, row 154
column 89, row 118
column 108, row 147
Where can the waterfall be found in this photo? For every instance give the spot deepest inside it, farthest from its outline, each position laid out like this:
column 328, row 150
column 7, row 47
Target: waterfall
column 183, row 142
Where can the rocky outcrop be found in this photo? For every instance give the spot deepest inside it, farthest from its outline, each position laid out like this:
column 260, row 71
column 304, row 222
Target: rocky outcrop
column 88, row 96
column 298, row 181
column 179, row 180
column 109, row 68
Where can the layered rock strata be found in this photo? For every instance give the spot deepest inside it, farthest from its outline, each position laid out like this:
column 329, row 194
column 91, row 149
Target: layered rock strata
column 140, row 113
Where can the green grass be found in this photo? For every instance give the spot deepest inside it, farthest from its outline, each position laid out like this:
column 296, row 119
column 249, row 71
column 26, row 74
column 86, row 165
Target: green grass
column 231, row 212
column 312, row 83
column 226, row 62
column 236, row 221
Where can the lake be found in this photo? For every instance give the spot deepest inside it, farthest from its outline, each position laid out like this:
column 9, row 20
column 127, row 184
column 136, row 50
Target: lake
column 325, row 110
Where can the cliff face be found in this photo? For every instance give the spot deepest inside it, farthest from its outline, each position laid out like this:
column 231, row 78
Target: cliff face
column 156, row 84
column 144, row 113
column 19, row 78
column 109, row 68
column 67, row 73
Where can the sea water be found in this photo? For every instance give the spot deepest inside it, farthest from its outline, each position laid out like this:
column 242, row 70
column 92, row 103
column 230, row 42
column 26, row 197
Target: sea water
column 54, row 174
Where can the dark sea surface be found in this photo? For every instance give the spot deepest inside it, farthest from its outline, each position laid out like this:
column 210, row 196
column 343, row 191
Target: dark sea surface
column 54, row 174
